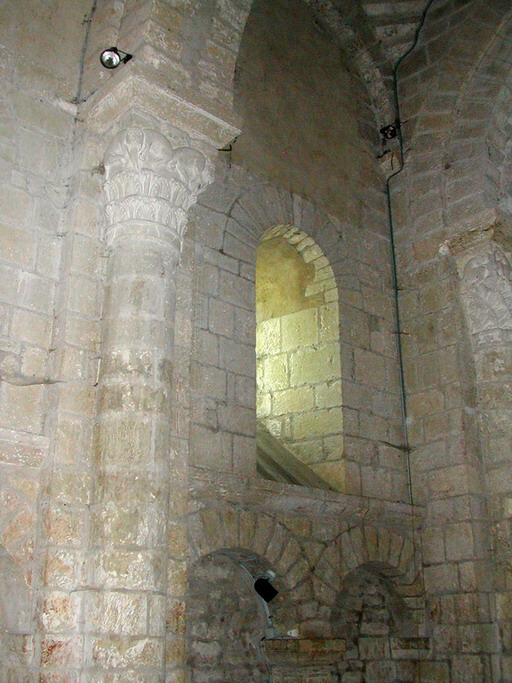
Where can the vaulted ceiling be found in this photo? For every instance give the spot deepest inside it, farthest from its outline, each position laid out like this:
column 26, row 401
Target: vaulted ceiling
column 394, row 24
column 374, row 34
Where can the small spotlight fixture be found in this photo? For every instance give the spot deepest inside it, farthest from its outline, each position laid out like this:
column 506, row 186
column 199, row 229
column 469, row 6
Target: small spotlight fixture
column 264, row 588
column 390, row 132
column 112, row 58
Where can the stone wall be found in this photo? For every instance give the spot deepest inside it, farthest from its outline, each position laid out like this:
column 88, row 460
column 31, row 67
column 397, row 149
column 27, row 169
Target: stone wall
column 323, row 582
column 452, row 168
column 226, row 622
column 229, row 221
column 306, row 122
column 128, row 484
column 40, row 89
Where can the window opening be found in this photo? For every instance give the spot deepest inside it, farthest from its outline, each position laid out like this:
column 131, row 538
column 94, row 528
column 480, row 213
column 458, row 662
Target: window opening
column 299, row 393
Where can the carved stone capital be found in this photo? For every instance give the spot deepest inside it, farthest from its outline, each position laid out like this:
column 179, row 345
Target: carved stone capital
column 480, row 246
column 486, row 286
column 476, row 232
column 150, row 185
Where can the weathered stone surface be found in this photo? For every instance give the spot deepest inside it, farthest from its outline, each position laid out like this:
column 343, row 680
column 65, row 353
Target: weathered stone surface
column 129, row 489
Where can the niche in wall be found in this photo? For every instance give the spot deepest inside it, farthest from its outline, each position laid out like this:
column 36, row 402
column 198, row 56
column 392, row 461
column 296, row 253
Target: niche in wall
column 299, row 393
column 369, row 613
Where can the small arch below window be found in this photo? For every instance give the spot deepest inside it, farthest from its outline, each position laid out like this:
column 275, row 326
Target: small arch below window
column 226, row 621
column 299, row 393
column 368, row 606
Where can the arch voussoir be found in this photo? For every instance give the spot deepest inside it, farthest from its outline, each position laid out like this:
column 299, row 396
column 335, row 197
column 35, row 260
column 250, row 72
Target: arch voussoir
column 224, row 531
column 388, row 551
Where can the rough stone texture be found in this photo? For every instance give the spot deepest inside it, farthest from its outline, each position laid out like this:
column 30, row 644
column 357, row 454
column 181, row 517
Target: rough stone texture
column 224, row 632
column 129, row 497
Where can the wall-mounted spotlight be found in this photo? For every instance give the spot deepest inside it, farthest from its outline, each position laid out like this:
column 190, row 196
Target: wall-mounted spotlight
column 112, row 58
column 266, row 592
column 264, row 588
column 390, row 132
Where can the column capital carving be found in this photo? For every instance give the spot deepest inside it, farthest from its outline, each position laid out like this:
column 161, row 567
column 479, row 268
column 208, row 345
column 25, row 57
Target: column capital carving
column 480, row 246
column 477, row 232
column 486, row 285
column 150, row 185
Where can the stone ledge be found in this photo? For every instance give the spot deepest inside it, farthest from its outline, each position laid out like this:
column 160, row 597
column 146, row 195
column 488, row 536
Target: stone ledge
column 410, row 648
column 132, row 90
column 288, row 498
column 477, row 230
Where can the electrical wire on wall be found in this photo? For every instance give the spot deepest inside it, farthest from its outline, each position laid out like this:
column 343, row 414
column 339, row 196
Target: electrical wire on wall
column 398, row 127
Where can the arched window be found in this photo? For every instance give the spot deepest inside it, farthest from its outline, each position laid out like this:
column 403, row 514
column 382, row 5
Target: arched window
column 299, row 394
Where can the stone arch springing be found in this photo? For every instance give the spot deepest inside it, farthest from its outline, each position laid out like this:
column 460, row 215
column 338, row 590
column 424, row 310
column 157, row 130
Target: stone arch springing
column 477, row 142
column 498, row 141
column 368, row 579
column 460, row 133
column 383, row 551
column 226, row 619
column 213, row 528
column 198, row 41
column 221, row 540
column 299, row 397
column 389, row 550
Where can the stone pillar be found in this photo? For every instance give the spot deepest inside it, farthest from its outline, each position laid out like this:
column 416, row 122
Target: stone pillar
column 482, row 249
column 149, row 188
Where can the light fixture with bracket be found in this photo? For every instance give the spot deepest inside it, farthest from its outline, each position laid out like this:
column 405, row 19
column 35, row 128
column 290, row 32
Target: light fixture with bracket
column 391, row 131
column 112, row 57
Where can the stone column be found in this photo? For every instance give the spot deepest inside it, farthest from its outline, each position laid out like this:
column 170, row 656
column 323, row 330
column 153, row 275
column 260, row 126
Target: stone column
column 482, row 250
column 149, row 188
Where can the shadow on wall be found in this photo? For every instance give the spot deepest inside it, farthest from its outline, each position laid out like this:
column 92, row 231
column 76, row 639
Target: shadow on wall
column 368, row 606
column 303, row 111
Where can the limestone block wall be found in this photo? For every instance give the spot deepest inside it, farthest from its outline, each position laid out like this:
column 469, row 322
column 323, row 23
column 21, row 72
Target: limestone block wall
column 307, row 123
column 313, row 134
column 40, row 84
column 223, row 370
column 188, row 48
column 443, row 386
column 230, row 219
column 94, row 527
column 224, row 631
column 299, row 393
column 479, row 249
column 15, row 619
column 63, row 538
column 349, row 593
column 371, row 616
